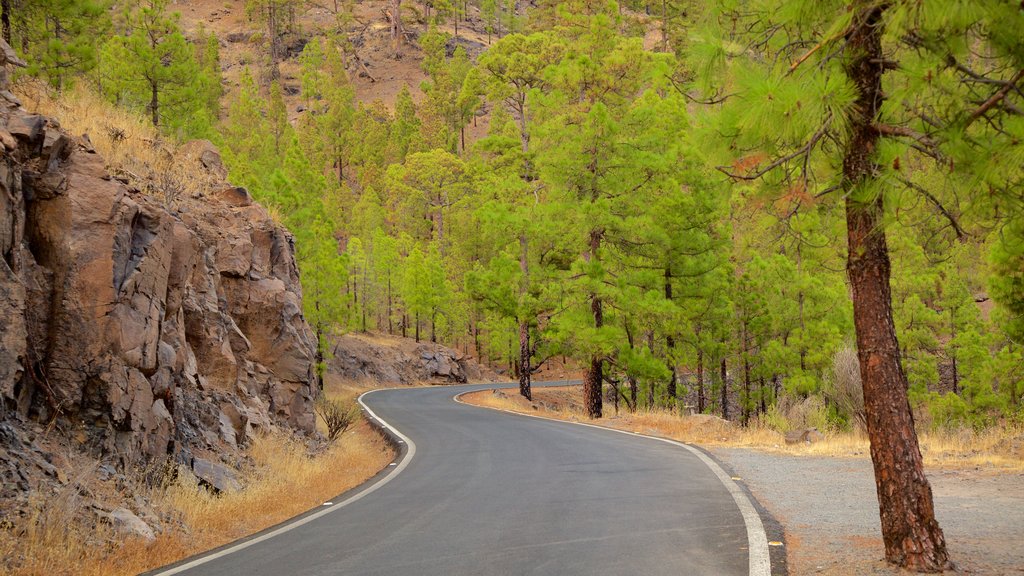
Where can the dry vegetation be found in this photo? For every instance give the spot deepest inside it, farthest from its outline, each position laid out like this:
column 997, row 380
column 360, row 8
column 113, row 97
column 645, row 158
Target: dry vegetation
column 281, row 480
column 961, row 449
column 133, row 149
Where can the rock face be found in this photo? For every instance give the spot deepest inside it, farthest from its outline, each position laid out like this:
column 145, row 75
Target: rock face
column 401, row 361
column 148, row 333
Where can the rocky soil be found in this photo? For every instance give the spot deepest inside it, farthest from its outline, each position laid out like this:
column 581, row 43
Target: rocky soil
column 135, row 332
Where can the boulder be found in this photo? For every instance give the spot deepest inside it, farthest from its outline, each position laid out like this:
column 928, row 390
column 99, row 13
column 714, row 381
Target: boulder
column 234, row 196
column 26, row 126
column 127, row 523
column 206, row 156
column 217, row 477
column 804, row 436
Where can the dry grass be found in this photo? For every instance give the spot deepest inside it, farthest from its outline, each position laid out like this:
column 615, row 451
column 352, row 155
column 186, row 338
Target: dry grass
column 131, row 146
column 283, row 480
column 964, row 449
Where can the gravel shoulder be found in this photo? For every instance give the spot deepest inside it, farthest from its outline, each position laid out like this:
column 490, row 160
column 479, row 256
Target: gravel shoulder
column 829, row 511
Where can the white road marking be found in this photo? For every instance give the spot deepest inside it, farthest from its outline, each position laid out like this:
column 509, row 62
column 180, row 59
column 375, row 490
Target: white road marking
column 760, row 563
column 307, row 519
column 328, row 504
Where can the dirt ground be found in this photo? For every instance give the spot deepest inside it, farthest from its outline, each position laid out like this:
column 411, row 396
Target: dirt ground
column 829, row 511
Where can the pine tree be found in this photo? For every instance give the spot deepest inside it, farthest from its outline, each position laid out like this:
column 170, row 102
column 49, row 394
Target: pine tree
column 153, row 66
column 849, row 115
column 58, row 38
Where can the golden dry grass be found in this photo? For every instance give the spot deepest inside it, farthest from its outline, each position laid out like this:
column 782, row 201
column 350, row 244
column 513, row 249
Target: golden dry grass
column 131, row 146
column 283, row 480
column 962, row 449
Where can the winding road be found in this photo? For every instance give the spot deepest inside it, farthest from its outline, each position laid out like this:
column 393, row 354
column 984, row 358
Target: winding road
column 479, row 492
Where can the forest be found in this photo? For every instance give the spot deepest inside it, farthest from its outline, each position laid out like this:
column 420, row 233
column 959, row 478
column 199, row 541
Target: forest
column 704, row 206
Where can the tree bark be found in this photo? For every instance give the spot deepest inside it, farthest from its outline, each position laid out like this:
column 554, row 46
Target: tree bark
column 524, row 360
column 391, row 327
column 746, row 381
column 762, row 394
column 911, row 534
column 524, row 325
column 670, row 390
column 595, row 372
column 154, row 103
column 725, row 390
column 396, row 26
column 700, row 381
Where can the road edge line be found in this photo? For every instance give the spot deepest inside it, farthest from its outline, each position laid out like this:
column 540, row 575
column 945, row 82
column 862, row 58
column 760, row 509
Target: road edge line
column 759, row 563
column 306, row 518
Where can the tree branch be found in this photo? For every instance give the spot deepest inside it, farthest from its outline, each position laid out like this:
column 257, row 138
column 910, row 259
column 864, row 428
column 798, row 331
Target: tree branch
column 805, row 149
column 995, row 98
column 960, row 233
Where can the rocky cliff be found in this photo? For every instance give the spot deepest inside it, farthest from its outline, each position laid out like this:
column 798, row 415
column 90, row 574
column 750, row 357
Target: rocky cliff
column 143, row 332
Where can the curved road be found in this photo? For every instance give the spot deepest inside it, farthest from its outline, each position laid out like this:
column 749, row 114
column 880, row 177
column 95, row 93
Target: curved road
column 485, row 492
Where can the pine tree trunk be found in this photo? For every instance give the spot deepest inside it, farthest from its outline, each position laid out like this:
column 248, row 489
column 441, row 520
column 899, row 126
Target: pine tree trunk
column 524, row 325
column 746, row 387
column 595, row 372
column 700, row 381
column 417, row 326
column 476, row 342
column 154, row 103
column 910, row 532
column 395, row 7
column 762, row 393
column 670, row 390
column 391, row 327
column 524, row 360
column 592, row 387
column 319, row 357
column 725, row 390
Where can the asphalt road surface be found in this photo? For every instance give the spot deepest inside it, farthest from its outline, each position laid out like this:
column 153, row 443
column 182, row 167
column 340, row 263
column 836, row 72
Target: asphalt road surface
column 480, row 492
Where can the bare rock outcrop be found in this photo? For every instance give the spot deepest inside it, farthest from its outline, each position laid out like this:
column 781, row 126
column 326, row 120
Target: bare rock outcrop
column 145, row 332
column 390, row 359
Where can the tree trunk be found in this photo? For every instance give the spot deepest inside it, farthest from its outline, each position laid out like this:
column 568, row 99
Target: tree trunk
column 746, row 384
column 391, row 328
column 476, row 342
column 725, row 390
column 910, row 532
column 396, row 26
column 762, row 394
column 595, row 373
column 524, row 360
column 700, row 381
column 417, row 326
column 952, row 355
column 670, row 391
column 433, row 326
column 524, row 325
column 154, row 103
column 594, row 377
